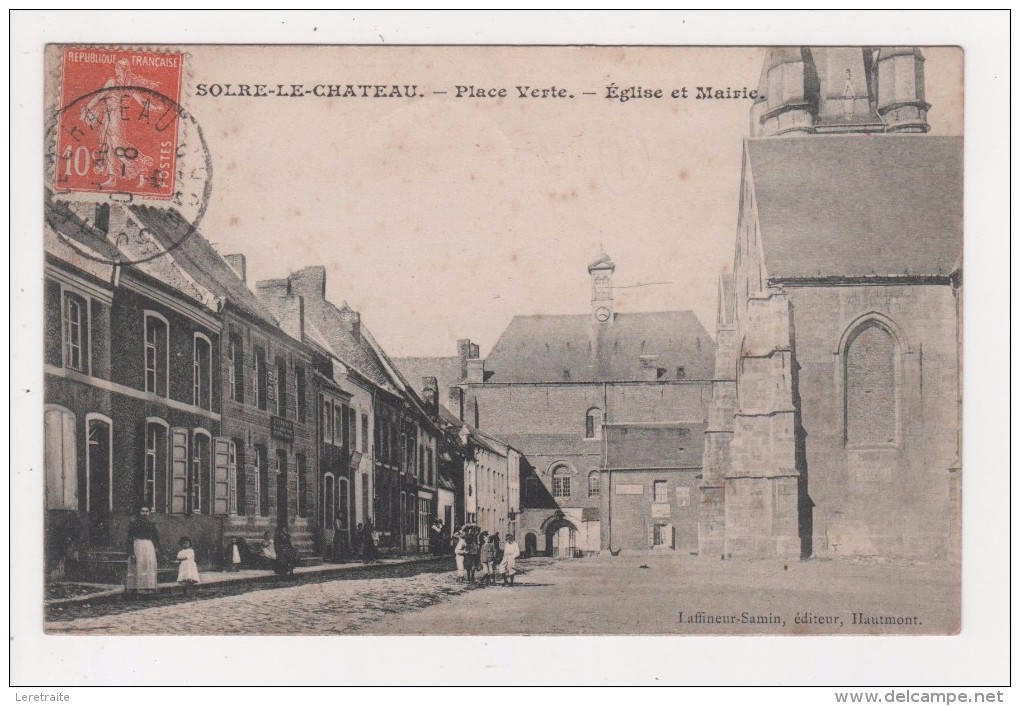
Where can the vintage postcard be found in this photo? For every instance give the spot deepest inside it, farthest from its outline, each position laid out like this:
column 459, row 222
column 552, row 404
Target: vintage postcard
column 503, row 340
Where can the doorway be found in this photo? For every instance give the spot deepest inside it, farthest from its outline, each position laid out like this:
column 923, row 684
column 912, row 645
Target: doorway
column 530, row 544
column 281, row 488
column 562, row 538
column 99, row 489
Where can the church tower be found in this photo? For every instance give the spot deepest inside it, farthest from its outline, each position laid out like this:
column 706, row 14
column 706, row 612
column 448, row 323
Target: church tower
column 601, row 270
column 839, row 90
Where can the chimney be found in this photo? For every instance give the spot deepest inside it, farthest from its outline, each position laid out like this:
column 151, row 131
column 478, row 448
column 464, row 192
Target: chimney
column 463, row 353
column 239, row 265
column 352, row 320
column 272, row 291
column 291, row 313
column 649, row 370
column 430, row 394
column 455, row 401
column 475, row 369
column 310, row 282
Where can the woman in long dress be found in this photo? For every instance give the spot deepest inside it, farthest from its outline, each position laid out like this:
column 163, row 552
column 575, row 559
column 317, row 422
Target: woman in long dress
column 143, row 539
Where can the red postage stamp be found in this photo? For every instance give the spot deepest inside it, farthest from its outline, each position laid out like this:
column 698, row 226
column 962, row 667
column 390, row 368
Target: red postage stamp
column 117, row 130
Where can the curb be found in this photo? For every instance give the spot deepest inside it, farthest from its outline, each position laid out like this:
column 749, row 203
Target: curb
column 269, row 577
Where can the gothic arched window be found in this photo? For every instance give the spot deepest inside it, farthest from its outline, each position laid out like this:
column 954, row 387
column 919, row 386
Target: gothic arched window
column 869, row 387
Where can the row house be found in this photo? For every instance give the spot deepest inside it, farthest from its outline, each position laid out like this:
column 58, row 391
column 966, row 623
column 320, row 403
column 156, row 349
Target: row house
column 378, row 441
column 132, row 394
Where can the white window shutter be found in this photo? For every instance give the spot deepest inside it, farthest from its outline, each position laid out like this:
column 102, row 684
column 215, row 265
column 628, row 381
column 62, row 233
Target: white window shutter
column 221, row 477
column 179, row 471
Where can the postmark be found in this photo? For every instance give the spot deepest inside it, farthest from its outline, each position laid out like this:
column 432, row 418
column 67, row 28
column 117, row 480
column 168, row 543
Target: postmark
column 121, row 137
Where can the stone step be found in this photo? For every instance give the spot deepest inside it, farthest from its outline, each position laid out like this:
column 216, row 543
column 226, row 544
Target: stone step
column 308, row 560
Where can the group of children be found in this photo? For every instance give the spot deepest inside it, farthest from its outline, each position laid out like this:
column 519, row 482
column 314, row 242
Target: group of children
column 479, row 553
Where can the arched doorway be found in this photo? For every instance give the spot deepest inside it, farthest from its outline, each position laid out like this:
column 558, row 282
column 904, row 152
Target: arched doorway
column 561, row 538
column 530, row 544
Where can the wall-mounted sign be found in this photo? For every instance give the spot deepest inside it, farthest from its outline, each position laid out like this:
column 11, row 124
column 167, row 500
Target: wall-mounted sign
column 280, row 428
column 630, row 490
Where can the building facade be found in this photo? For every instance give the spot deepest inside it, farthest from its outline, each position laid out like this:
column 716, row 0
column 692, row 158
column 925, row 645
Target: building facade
column 550, row 388
column 132, row 416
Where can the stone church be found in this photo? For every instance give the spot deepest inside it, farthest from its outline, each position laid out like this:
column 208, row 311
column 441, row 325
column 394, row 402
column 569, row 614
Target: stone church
column 835, row 421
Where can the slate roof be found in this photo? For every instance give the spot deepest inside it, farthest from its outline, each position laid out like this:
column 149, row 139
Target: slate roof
column 446, row 370
column 358, row 354
column 571, row 348
column 200, row 260
column 62, row 220
column 859, row 205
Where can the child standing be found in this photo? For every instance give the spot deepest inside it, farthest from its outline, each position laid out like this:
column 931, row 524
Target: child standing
column 235, row 555
column 187, row 572
column 460, row 551
column 488, row 559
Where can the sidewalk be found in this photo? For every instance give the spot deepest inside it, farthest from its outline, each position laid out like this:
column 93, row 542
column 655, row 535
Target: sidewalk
column 213, row 578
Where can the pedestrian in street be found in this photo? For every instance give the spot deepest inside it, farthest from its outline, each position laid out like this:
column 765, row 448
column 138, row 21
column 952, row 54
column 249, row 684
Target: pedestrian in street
column 356, row 540
column 460, row 555
column 487, row 555
column 508, row 567
column 496, row 547
column 368, row 548
column 471, row 557
column 187, row 570
column 143, row 540
column 286, row 554
column 339, row 540
column 267, row 553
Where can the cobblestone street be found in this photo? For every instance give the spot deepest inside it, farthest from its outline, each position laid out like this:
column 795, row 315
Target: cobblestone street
column 638, row 594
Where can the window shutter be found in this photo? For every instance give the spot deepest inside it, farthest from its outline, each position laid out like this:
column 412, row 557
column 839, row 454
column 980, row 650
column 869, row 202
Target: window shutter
column 651, row 536
column 670, row 538
column 70, row 464
column 179, row 471
column 61, row 461
column 221, row 477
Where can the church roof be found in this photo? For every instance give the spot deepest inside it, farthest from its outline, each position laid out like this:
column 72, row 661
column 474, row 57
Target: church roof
column 859, row 206
column 566, row 348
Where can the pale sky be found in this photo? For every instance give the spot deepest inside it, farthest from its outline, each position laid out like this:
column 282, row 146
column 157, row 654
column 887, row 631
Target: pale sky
column 441, row 218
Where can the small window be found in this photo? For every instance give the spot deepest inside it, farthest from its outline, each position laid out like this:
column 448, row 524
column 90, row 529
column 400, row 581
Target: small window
column 593, row 484
column 155, row 463
column 236, row 470
column 156, row 354
column 76, row 332
column 593, row 424
column 660, row 492
column 680, row 372
column 261, row 380
column 202, row 372
column 327, row 420
column 236, row 368
column 281, row 387
column 200, row 473
column 261, row 481
column 364, row 433
column 299, row 388
column 659, row 535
